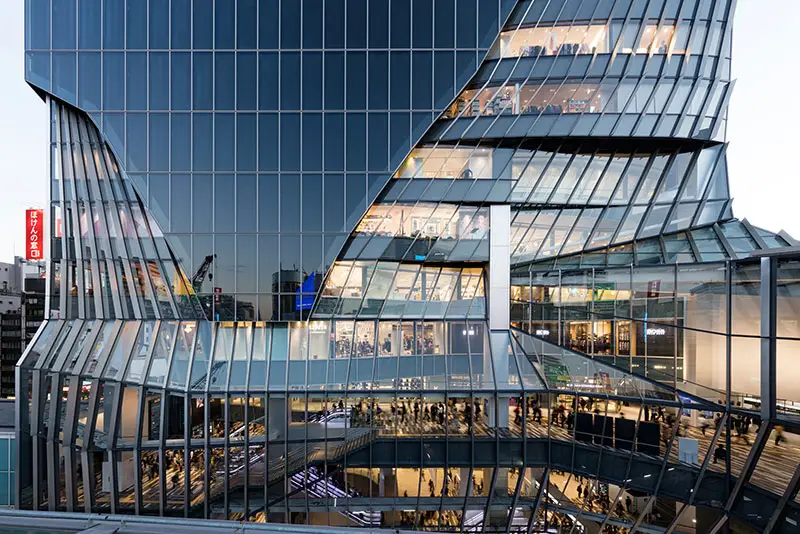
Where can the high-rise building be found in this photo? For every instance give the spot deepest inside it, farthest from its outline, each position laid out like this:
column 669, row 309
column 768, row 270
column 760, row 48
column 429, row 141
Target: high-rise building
column 450, row 265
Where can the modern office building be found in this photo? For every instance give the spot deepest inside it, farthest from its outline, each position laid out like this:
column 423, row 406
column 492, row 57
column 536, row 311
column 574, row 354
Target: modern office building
column 459, row 265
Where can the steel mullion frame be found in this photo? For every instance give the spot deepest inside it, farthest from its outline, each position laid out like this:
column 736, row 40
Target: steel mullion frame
column 114, row 176
column 659, row 79
column 91, row 239
column 640, row 80
column 542, row 490
column 77, row 260
column 116, row 407
column 88, row 443
column 651, row 202
column 604, row 76
column 682, row 76
column 704, row 200
column 701, row 473
column 616, row 52
column 520, row 478
column 496, row 67
column 754, row 234
column 750, row 463
column 631, row 453
column 723, row 108
column 571, row 25
column 684, row 179
column 788, row 495
column 725, row 244
column 68, row 445
column 651, row 160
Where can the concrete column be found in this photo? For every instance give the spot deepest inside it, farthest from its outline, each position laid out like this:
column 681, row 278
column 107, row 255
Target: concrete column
column 500, row 267
column 769, row 323
column 498, row 415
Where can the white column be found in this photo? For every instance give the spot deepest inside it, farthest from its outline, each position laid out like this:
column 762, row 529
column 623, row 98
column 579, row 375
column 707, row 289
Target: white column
column 499, row 267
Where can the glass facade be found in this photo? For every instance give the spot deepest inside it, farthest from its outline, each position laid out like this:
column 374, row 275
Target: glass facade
column 457, row 265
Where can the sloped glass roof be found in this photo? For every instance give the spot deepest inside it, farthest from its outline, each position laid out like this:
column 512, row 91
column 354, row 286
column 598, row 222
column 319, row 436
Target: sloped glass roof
column 730, row 240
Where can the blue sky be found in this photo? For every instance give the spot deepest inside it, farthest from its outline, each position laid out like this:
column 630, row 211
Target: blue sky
column 762, row 130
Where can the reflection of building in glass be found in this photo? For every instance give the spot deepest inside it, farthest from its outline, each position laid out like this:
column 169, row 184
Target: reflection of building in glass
column 312, row 293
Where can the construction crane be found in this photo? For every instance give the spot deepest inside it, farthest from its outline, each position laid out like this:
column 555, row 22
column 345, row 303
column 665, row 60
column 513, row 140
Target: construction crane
column 200, row 275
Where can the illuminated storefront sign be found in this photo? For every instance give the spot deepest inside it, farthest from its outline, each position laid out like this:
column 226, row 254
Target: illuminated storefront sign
column 34, row 244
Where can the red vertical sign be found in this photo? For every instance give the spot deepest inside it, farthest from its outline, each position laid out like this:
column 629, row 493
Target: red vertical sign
column 34, row 242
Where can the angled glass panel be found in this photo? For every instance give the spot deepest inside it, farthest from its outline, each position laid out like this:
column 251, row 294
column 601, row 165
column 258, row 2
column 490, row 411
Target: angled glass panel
column 650, row 181
column 241, row 355
column 674, row 177
column 606, row 227
column 278, row 354
column 463, row 293
column 223, row 353
column 549, row 179
column 529, row 177
column 480, row 356
column 184, row 346
column 122, row 350
column 104, row 339
column 608, row 183
column 678, row 249
column 648, row 252
column 202, row 356
column 334, row 287
column 552, row 244
column 442, row 292
column 353, row 291
column 258, row 364
column 581, row 231
column 572, row 174
column 630, row 179
column 700, row 174
column 421, row 292
column 400, row 290
column 739, row 238
column 379, row 287
column 621, row 255
column 682, row 217
column 589, row 180
column 519, row 227
column 628, row 228
column 530, row 378
column 654, row 221
column 772, row 240
column 478, row 307
column 161, row 353
column 708, row 245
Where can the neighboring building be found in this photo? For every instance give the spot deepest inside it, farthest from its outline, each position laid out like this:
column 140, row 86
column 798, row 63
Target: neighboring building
column 7, row 453
column 33, row 306
column 453, row 265
column 10, row 286
column 11, row 346
column 22, row 314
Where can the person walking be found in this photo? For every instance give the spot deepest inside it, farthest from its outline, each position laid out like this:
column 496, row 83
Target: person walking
column 779, row 435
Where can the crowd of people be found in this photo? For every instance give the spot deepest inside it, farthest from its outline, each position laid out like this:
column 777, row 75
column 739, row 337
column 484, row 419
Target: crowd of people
column 347, row 346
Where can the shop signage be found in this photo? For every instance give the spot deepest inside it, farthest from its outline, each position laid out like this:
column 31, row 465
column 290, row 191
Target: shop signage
column 542, row 333
column 34, row 244
column 656, row 332
column 653, row 288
